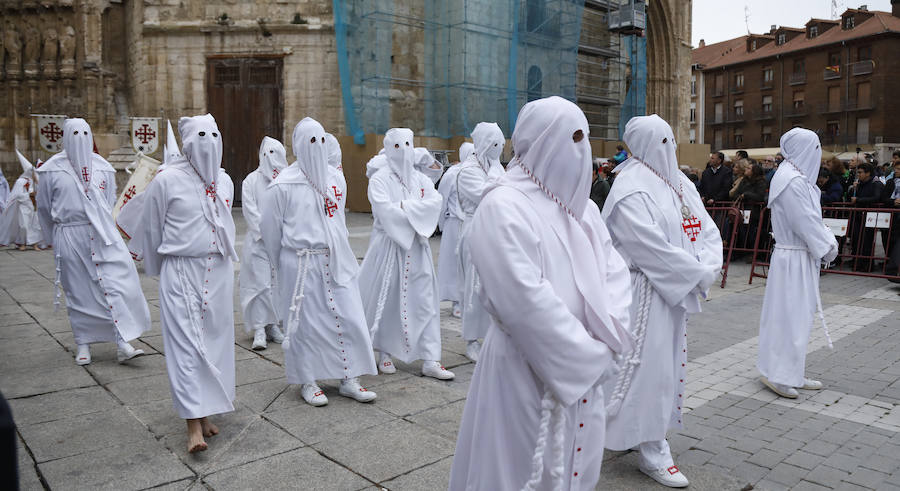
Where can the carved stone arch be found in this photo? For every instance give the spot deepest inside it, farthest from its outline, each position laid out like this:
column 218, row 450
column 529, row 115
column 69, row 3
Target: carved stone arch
column 668, row 62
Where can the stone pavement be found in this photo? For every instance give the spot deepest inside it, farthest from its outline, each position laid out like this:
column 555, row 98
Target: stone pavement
column 113, row 426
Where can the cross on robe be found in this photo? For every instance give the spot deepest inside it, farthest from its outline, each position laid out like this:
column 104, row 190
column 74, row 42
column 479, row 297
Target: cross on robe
column 330, row 207
column 85, row 174
column 337, row 193
column 691, row 227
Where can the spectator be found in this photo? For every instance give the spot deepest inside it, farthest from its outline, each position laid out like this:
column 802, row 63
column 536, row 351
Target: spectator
column 716, row 180
column 621, row 154
column 753, row 185
column 866, row 193
column 738, row 170
column 778, row 159
column 891, row 198
column 741, row 155
column 769, row 167
column 832, row 191
column 599, row 186
column 841, row 174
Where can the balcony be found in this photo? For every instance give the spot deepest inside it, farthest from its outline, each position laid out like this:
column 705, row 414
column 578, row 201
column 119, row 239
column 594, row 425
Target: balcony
column 715, row 119
column 718, row 92
column 764, row 114
column 831, row 72
column 864, row 67
column 831, row 108
column 736, row 90
column 735, row 117
column 798, row 78
column 796, row 111
column 857, row 105
column 767, row 84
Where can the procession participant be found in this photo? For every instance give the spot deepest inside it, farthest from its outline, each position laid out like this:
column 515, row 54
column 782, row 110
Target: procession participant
column 402, row 303
column 188, row 241
column 76, row 192
column 4, row 189
column 305, row 234
column 674, row 251
column 450, row 223
column 534, row 416
column 333, row 147
column 472, row 178
column 802, row 243
column 256, row 279
column 426, row 164
column 19, row 222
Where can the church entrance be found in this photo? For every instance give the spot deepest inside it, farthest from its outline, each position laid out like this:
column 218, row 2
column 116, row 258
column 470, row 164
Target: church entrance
column 245, row 97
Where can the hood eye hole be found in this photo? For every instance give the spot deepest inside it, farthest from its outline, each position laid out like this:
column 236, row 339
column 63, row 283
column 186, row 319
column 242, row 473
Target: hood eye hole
column 323, row 139
column 202, row 133
column 665, row 140
column 215, row 135
column 577, row 136
column 76, row 132
column 407, row 144
column 312, row 140
column 271, row 151
column 396, row 145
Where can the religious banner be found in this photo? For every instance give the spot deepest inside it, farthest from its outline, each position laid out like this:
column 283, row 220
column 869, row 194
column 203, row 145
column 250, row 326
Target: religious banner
column 145, row 135
column 142, row 171
column 49, row 130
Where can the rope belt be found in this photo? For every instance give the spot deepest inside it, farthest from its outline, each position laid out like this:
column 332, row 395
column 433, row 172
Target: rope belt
column 382, row 293
column 633, row 359
column 819, row 310
column 299, row 288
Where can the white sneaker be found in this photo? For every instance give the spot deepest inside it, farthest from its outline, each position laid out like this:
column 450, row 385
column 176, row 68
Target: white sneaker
column 671, row 476
column 259, row 340
column 83, row 354
column 386, row 365
column 274, row 334
column 351, row 388
column 473, row 348
column 782, row 390
column 126, row 352
column 810, row 384
column 456, row 312
column 434, row 369
column 313, row 395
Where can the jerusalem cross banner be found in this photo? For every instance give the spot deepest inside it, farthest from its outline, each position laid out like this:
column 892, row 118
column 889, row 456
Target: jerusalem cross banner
column 49, row 130
column 145, row 135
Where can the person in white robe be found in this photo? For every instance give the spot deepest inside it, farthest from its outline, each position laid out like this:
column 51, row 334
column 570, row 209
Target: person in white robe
column 256, row 279
column 19, row 222
column 802, row 243
column 401, row 294
column 671, row 245
column 426, row 164
column 534, row 414
column 473, row 177
column 450, row 223
column 305, row 233
column 4, row 190
column 188, row 241
column 76, row 193
column 333, row 147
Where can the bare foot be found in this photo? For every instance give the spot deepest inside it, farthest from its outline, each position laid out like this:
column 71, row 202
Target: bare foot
column 195, row 436
column 209, row 429
column 37, row 248
column 22, row 247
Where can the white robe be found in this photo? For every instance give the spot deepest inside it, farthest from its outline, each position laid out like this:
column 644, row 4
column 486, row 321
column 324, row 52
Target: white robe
column 537, row 341
column 471, row 183
column 4, row 191
column 656, row 249
column 257, row 276
column 196, row 285
column 398, row 270
column 450, row 222
column 103, row 292
column 792, row 288
column 19, row 223
column 328, row 335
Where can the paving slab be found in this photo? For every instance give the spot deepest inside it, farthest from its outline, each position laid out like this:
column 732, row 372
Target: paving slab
column 341, row 416
column 64, row 404
column 431, row 476
column 42, row 380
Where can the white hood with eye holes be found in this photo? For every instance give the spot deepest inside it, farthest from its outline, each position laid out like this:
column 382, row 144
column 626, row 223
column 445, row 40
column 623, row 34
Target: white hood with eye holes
column 488, row 140
column 400, row 153
column 272, row 158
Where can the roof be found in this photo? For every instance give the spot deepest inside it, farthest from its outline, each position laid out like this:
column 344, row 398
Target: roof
column 734, row 51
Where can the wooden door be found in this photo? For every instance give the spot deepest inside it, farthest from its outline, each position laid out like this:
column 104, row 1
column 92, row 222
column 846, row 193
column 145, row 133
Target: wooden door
column 245, row 97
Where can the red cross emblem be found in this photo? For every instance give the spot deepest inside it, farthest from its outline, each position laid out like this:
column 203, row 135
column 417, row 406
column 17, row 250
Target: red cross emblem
column 85, row 174
column 337, row 193
column 423, row 192
column 228, row 202
column 274, row 173
column 129, row 193
column 691, row 227
column 27, row 184
column 330, row 207
column 211, row 192
column 103, row 184
column 145, row 134
column 52, row 132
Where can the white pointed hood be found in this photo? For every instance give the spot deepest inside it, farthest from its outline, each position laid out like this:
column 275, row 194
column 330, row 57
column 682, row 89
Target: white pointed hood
column 652, row 142
column 488, row 142
column 376, row 163
column 78, row 144
column 400, row 153
column 170, row 149
column 27, row 168
column 802, row 159
column 310, row 150
column 333, row 148
column 426, row 164
column 466, row 149
column 272, row 158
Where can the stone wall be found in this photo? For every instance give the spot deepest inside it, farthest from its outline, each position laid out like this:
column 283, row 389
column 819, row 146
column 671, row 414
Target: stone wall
column 669, row 63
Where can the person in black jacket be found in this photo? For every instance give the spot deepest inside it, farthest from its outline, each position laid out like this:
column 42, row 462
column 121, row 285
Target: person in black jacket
column 599, row 186
column 753, row 187
column 866, row 193
column 832, row 191
column 890, row 196
column 717, row 179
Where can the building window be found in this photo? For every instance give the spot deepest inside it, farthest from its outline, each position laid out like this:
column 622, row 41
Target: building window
column 799, row 66
column 863, row 95
column 717, row 140
column 719, row 110
column 813, row 31
column 693, row 135
column 833, row 130
column 753, row 45
column 768, row 75
column 798, row 100
column 862, row 130
column 720, row 84
column 535, row 14
column 739, row 80
column 738, row 137
column 849, row 23
column 739, row 108
column 535, row 83
column 693, row 85
column 834, row 98
column 864, row 53
column 782, row 37
column 766, row 135
column 767, row 104
column 693, row 112
column 834, row 60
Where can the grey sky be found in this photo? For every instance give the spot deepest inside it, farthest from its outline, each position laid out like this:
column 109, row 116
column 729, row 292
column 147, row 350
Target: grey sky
column 718, row 20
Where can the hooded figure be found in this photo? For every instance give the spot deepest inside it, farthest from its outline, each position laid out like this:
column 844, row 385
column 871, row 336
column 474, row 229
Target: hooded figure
column 19, row 222
column 187, row 240
column 802, row 243
column 4, row 189
column 450, row 223
column 673, row 249
column 305, row 235
column 472, row 178
column 401, row 298
column 426, row 164
column 257, row 275
column 333, row 149
column 534, row 414
column 76, row 193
